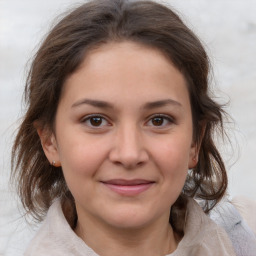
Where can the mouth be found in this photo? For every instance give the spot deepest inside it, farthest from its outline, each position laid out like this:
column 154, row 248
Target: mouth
column 128, row 187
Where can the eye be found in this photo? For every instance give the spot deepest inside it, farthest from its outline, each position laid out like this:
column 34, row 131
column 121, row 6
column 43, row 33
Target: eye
column 95, row 121
column 160, row 120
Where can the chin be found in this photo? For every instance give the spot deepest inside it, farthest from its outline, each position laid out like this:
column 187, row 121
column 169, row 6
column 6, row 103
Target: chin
column 129, row 219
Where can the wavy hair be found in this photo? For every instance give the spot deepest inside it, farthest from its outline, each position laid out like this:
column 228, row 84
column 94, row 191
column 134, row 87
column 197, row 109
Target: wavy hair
column 60, row 54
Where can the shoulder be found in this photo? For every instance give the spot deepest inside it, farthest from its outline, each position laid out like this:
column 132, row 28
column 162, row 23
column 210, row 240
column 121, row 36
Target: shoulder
column 56, row 238
column 227, row 216
column 202, row 237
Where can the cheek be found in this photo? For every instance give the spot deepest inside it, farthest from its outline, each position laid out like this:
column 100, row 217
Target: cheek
column 173, row 150
column 80, row 164
column 82, row 157
column 172, row 158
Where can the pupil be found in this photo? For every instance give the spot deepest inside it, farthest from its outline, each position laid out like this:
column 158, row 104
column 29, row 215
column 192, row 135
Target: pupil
column 157, row 121
column 96, row 121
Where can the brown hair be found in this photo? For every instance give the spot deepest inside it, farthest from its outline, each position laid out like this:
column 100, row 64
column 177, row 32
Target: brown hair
column 90, row 25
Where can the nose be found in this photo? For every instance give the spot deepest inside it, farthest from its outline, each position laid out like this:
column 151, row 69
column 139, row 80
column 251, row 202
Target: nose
column 128, row 148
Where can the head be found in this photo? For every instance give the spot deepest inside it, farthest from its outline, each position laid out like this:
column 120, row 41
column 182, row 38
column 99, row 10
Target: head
column 90, row 27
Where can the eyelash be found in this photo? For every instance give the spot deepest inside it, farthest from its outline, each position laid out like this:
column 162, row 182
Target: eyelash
column 164, row 118
column 170, row 120
column 90, row 117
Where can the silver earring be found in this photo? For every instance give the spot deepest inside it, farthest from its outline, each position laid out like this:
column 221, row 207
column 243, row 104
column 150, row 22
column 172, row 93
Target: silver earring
column 53, row 163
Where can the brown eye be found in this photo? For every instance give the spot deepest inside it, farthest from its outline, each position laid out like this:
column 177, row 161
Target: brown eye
column 160, row 121
column 95, row 121
column 157, row 121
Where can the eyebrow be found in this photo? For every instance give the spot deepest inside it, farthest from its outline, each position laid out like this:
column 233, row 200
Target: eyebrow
column 161, row 103
column 148, row 105
column 94, row 103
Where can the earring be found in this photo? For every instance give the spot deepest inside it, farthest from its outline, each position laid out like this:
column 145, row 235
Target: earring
column 53, row 163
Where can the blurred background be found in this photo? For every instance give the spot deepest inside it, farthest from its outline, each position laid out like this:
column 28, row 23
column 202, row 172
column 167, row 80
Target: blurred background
column 227, row 29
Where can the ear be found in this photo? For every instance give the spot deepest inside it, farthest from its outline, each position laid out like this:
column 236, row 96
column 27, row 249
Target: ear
column 50, row 147
column 193, row 156
column 195, row 148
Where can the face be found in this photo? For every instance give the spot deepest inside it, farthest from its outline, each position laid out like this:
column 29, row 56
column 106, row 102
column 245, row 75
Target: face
column 124, row 135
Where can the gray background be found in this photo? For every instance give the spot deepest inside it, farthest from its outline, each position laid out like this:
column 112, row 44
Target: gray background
column 227, row 28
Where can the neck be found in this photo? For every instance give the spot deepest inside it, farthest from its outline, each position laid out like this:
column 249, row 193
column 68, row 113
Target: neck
column 157, row 238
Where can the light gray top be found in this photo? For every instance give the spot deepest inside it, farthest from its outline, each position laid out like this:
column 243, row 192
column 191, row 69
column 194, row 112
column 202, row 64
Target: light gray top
column 202, row 237
column 242, row 237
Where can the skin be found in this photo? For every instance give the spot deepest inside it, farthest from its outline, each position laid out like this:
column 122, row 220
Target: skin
column 124, row 118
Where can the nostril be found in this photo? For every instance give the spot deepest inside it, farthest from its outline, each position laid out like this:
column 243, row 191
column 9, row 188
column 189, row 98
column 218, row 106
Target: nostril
column 140, row 163
column 128, row 163
column 128, row 150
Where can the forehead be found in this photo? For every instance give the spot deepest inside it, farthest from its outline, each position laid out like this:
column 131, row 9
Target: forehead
column 120, row 69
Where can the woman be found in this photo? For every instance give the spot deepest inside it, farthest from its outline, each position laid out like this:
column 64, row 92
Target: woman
column 118, row 136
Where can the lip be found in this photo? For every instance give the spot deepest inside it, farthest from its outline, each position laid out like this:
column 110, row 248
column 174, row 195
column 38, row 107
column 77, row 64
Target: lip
column 128, row 187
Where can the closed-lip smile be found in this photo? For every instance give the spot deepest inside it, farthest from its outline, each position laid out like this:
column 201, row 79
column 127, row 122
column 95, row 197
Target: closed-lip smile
column 128, row 187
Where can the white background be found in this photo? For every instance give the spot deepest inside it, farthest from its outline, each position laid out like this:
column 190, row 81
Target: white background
column 227, row 28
